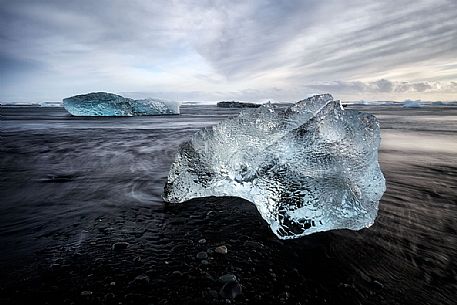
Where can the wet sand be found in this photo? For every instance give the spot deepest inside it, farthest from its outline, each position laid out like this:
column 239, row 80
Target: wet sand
column 82, row 222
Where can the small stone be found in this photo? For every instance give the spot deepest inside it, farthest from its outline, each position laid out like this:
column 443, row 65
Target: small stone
column 120, row 245
column 221, row 250
column 365, row 277
column 178, row 248
column 140, row 280
column 285, row 295
column 230, row 290
column 204, row 262
column 273, row 276
column 213, row 293
column 109, row 297
column 112, row 284
column 227, row 278
column 202, row 255
column 176, row 273
column 378, row 284
column 142, row 277
column 253, row 244
column 208, row 276
column 86, row 293
column 295, row 273
column 202, row 241
column 137, row 259
column 345, row 285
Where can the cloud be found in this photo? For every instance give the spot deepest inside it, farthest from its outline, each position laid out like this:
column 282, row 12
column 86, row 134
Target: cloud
column 384, row 85
column 314, row 40
column 57, row 48
column 376, row 90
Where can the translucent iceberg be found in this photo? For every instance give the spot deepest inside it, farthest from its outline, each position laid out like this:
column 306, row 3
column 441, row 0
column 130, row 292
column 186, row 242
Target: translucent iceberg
column 411, row 104
column 308, row 168
column 108, row 104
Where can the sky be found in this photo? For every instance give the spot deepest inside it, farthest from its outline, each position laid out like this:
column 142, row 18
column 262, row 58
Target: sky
column 229, row 50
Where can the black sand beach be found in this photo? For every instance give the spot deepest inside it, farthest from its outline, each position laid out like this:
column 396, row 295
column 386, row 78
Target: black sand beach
column 82, row 221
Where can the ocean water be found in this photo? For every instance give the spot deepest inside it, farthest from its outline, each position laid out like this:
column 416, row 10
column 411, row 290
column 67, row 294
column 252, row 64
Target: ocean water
column 56, row 168
column 72, row 187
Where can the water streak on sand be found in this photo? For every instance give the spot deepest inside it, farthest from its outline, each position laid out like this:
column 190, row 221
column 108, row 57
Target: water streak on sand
column 71, row 187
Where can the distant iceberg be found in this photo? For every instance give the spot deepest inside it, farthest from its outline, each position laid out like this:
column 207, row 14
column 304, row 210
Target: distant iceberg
column 411, row 104
column 233, row 104
column 109, row 104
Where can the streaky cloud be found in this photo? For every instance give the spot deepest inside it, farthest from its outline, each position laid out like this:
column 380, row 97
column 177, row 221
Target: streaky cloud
column 255, row 49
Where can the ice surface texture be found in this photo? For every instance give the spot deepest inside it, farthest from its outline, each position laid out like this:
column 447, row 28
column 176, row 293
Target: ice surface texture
column 108, row 104
column 308, row 168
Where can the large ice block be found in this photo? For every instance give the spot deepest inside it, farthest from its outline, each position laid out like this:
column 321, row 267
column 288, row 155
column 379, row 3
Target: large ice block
column 308, row 168
column 108, row 104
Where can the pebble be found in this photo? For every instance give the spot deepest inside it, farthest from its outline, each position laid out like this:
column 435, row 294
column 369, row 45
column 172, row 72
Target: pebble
column 178, row 248
column 120, row 245
column 253, row 244
column 204, row 262
column 213, row 293
column 227, row 278
column 221, row 250
column 176, row 273
column 284, row 296
column 273, row 277
column 137, row 259
column 140, row 280
column 109, row 297
column 295, row 273
column 378, row 284
column 208, row 276
column 202, row 255
column 230, row 290
column 86, row 293
column 112, row 284
column 345, row 285
column 202, row 241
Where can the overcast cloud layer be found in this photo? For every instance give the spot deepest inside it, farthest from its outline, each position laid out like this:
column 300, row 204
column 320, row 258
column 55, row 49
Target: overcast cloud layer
column 211, row 50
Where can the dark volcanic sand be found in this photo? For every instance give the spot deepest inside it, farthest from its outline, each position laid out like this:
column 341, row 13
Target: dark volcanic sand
column 72, row 188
